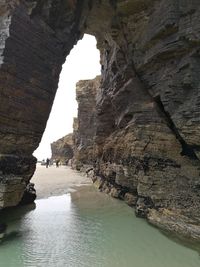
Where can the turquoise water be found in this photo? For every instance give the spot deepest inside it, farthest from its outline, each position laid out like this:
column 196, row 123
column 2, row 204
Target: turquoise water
column 84, row 229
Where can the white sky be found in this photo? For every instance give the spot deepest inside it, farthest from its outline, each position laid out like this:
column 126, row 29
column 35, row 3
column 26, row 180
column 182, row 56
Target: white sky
column 81, row 64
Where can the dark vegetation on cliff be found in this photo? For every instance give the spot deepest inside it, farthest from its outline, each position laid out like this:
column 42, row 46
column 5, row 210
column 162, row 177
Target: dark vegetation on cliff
column 142, row 138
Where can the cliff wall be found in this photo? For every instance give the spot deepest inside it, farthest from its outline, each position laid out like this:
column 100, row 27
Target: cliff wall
column 62, row 149
column 85, row 124
column 35, row 37
column 145, row 135
column 147, row 104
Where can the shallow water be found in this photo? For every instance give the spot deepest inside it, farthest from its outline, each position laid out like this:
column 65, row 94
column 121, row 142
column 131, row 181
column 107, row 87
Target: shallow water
column 87, row 228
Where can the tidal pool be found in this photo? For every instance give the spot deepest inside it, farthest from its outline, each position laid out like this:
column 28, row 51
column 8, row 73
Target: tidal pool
column 87, row 229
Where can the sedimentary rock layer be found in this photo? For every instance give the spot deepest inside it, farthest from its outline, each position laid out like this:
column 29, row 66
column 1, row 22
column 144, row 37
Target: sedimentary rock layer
column 85, row 124
column 147, row 109
column 147, row 85
column 62, row 149
column 35, row 37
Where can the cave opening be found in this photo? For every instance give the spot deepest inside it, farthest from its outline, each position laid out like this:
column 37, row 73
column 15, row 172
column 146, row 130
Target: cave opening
column 83, row 63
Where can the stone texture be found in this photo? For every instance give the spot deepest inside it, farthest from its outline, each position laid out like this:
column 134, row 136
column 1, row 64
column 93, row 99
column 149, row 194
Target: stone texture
column 174, row 220
column 29, row 195
column 147, row 103
column 85, row 124
column 130, row 199
column 35, row 37
column 15, row 173
column 138, row 128
column 62, row 149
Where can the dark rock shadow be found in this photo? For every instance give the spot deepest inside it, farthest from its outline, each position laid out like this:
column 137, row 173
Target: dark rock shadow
column 15, row 213
column 9, row 237
column 11, row 217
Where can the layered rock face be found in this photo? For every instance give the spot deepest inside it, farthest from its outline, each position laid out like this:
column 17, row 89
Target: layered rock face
column 147, row 110
column 80, row 144
column 85, row 124
column 35, row 37
column 143, row 138
column 62, row 149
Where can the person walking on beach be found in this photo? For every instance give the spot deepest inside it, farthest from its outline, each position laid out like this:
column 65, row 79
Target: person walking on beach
column 47, row 162
column 57, row 163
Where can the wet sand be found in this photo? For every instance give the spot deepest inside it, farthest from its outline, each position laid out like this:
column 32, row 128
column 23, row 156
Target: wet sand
column 54, row 181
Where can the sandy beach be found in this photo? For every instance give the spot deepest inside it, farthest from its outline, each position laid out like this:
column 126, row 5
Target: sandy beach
column 54, row 181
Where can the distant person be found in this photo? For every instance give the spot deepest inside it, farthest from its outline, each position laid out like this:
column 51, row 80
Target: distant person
column 47, row 162
column 57, row 163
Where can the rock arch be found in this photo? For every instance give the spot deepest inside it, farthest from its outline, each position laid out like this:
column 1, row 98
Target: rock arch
column 147, row 107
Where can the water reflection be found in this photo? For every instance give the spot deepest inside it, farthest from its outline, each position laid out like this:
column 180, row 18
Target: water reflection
column 12, row 218
column 180, row 240
column 11, row 214
column 9, row 237
column 85, row 229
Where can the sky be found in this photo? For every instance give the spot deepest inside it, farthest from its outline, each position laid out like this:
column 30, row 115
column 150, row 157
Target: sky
column 81, row 64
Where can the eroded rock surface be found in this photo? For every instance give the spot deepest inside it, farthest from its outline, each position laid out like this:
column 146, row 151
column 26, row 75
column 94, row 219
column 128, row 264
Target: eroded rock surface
column 35, row 37
column 15, row 173
column 141, row 136
column 85, row 124
column 147, row 104
column 62, row 149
